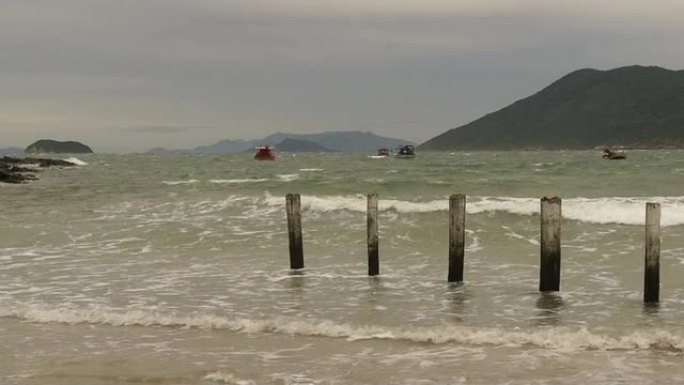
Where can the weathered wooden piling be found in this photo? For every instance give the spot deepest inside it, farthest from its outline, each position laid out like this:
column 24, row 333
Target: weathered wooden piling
column 457, row 205
column 373, row 251
column 549, row 271
column 652, row 255
column 294, row 230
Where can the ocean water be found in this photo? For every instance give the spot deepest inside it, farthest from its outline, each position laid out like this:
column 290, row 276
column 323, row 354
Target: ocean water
column 141, row 269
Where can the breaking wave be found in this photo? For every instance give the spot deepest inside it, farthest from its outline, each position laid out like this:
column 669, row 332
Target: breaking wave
column 76, row 161
column 179, row 182
column 237, row 181
column 620, row 210
column 559, row 338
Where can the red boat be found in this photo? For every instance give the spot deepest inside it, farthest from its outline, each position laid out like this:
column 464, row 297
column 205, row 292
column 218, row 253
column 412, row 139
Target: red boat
column 264, row 153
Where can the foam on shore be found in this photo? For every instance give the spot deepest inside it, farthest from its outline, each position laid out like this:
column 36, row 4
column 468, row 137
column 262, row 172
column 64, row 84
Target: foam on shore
column 560, row 338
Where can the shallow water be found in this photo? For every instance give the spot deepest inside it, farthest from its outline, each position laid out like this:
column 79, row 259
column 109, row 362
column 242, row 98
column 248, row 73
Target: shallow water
column 175, row 270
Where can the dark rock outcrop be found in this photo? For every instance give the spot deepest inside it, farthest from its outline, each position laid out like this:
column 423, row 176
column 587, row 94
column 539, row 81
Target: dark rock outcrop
column 21, row 170
column 8, row 175
column 48, row 146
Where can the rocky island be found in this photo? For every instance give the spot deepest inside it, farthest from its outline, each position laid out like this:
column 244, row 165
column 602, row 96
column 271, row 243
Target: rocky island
column 49, row 146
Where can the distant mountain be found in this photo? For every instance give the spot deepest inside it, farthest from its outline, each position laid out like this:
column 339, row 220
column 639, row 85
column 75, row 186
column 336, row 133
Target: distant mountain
column 298, row 145
column 11, row 150
column 343, row 141
column 228, row 146
column 48, row 146
column 635, row 106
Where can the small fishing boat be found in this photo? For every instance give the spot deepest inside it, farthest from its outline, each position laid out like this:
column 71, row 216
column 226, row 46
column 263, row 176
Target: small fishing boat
column 382, row 154
column 405, row 151
column 264, row 153
column 610, row 154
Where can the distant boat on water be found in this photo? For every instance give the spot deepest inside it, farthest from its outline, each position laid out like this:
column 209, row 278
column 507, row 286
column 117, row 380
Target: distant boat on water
column 382, row 153
column 264, row 153
column 405, row 151
column 611, row 155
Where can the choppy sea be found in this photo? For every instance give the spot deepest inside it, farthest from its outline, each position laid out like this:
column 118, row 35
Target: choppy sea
column 142, row 269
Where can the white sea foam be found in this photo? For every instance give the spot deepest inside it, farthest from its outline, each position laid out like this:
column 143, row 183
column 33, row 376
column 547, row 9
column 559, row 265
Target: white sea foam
column 311, row 169
column 620, row 210
column 628, row 211
column 288, row 177
column 513, row 234
column 226, row 378
column 474, row 241
column 358, row 203
column 178, row 182
column 237, row 181
column 559, row 338
column 76, row 161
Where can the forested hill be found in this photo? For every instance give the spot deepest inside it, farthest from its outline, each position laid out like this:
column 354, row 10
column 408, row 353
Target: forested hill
column 635, row 107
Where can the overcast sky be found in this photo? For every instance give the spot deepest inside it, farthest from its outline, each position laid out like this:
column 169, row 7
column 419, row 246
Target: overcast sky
column 129, row 75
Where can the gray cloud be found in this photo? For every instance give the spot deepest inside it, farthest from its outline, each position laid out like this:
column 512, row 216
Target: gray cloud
column 250, row 68
column 163, row 129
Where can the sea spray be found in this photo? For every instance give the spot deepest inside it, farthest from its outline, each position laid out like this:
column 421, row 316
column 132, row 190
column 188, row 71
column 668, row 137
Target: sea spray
column 76, row 161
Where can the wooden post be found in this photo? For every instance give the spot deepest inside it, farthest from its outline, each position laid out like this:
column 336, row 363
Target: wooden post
column 549, row 271
column 373, row 252
column 652, row 257
column 294, row 230
column 457, row 205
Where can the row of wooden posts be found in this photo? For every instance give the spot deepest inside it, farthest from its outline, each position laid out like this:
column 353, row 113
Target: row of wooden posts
column 550, row 243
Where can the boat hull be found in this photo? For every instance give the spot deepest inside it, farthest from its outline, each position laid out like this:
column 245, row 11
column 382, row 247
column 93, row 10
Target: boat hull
column 264, row 153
